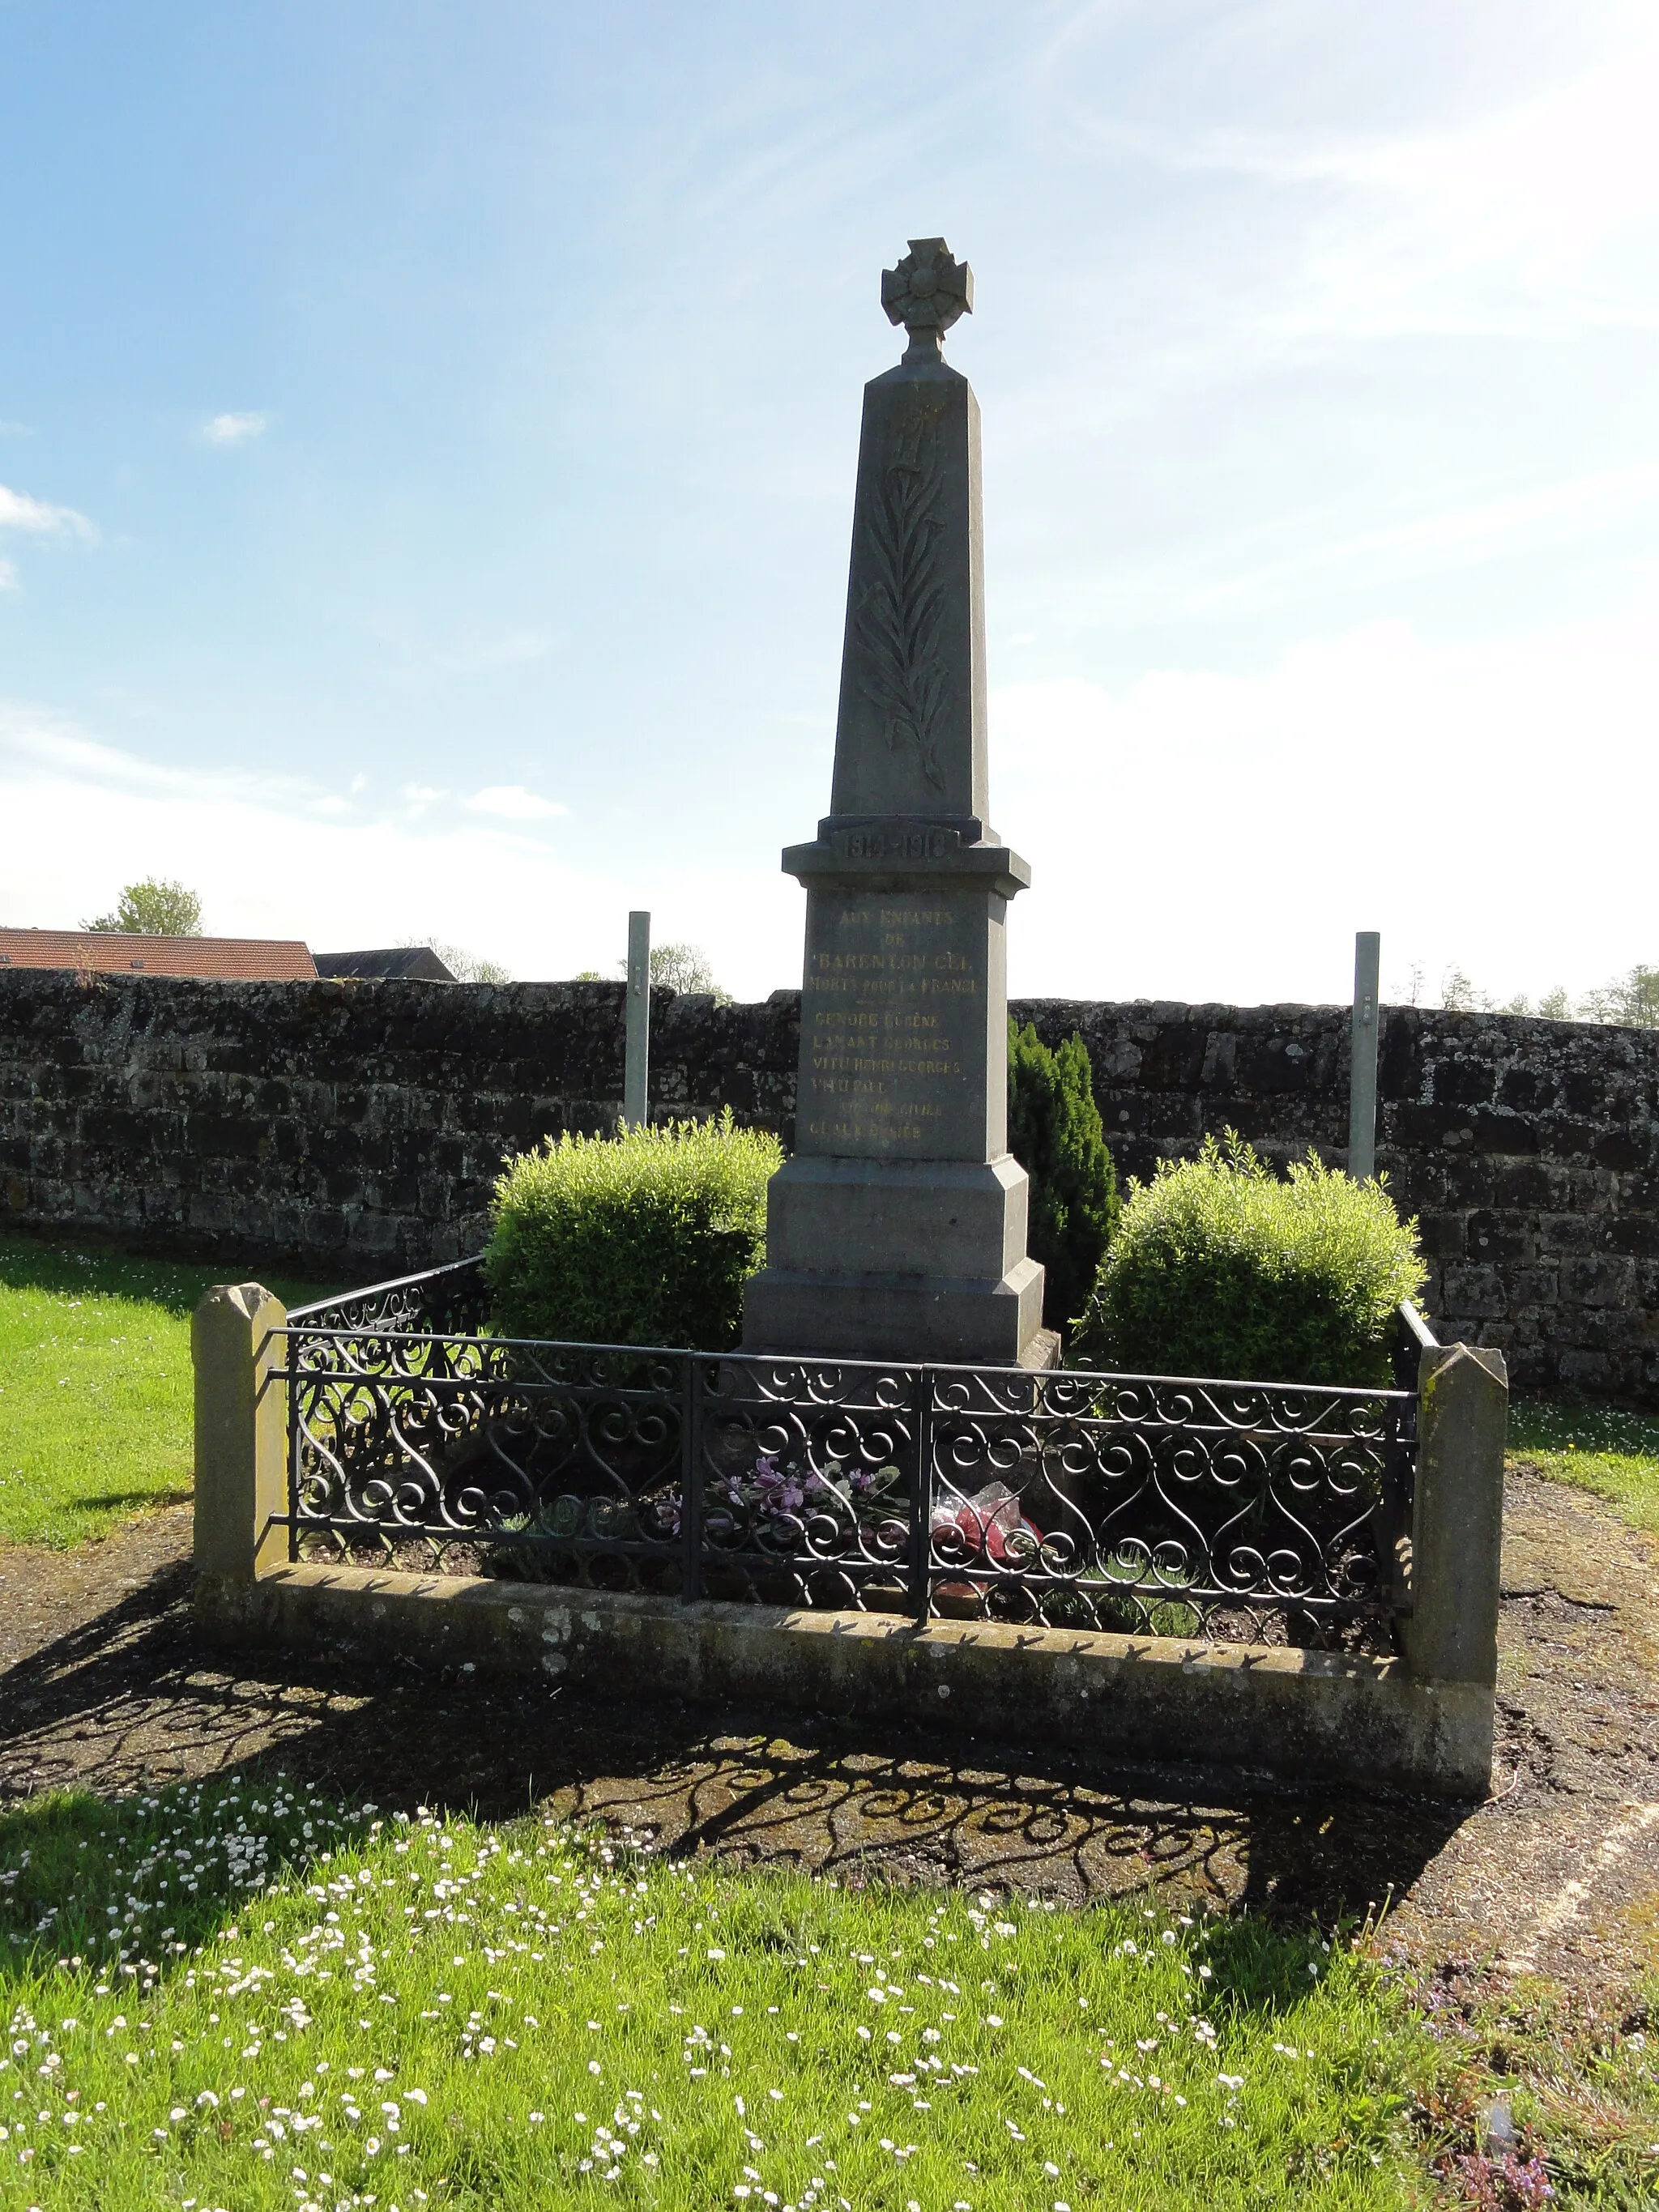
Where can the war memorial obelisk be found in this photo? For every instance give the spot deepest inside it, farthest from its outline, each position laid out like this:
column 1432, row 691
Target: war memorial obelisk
column 897, row 1229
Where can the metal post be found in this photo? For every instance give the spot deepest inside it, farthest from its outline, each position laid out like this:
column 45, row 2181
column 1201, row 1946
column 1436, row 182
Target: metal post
column 637, row 1050
column 693, row 1382
column 921, row 1503
column 1362, row 1079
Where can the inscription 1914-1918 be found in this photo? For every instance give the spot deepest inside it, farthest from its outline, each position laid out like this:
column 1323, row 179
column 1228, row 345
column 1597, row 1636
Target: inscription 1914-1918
column 896, row 842
column 886, row 988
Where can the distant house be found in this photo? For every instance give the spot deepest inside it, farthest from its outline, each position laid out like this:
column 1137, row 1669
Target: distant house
column 416, row 963
column 111, row 952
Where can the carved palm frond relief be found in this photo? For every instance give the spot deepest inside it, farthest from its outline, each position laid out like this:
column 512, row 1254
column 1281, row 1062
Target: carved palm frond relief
column 900, row 615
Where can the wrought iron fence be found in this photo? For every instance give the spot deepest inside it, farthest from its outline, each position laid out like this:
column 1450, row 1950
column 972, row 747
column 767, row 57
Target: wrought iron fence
column 1239, row 1511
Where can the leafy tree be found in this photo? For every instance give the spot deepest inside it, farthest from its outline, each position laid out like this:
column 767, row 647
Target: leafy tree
column 465, row 967
column 1552, row 1005
column 1632, row 1003
column 1054, row 1133
column 157, row 907
column 1460, row 995
column 682, row 967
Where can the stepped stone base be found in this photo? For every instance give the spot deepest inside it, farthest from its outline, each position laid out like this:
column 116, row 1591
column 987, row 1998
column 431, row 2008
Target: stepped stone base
column 839, row 1233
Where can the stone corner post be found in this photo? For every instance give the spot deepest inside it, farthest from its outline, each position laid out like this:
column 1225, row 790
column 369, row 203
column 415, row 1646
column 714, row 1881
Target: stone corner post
column 1450, row 1639
column 242, row 1431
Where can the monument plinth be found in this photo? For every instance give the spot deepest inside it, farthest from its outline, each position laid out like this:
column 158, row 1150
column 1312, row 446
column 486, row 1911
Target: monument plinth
column 897, row 1230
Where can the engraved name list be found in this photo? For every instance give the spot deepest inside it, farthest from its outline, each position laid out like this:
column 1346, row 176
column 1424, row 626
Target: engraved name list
column 893, row 997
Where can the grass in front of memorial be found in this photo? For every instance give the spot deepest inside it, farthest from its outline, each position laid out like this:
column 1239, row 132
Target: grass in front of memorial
column 1602, row 1449
column 238, row 1996
column 95, row 1386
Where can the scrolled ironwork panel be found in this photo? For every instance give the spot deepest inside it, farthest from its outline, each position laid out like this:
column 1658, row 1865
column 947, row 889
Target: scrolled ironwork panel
column 1244, row 1511
column 446, row 1301
column 809, row 1467
column 1152, row 1504
column 555, row 1463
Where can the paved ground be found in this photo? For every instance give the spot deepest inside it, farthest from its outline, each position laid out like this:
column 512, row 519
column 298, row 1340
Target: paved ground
column 104, row 1682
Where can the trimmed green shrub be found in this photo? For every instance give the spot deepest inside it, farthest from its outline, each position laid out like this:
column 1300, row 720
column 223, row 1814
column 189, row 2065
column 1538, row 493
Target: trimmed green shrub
column 644, row 1238
column 1219, row 1268
column 1054, row 1133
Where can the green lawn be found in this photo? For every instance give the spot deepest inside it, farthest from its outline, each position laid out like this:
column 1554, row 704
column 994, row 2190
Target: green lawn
column 95, row 1386
column 1596, row 1448
column 425, row 2011
column 241, row 1995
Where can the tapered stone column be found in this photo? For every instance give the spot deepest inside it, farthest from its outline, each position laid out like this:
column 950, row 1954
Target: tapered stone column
column 897, row 1230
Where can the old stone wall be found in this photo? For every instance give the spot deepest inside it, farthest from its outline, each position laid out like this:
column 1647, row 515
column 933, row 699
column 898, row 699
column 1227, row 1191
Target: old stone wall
column 336, row 1125
column 1528, row 1150
column 350, row 1129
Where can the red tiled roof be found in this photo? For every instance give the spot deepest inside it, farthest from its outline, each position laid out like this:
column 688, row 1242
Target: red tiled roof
column 107, row 953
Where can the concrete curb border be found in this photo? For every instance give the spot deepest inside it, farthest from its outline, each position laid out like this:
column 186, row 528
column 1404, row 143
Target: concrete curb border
column 1305, row 1714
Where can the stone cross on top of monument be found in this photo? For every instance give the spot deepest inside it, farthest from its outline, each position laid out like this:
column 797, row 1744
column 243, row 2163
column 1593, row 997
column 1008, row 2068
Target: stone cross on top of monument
column 926, row 291
column 897, row 1230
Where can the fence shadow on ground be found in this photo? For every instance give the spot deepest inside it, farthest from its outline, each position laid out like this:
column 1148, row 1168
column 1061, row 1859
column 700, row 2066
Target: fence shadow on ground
column 134, row 1698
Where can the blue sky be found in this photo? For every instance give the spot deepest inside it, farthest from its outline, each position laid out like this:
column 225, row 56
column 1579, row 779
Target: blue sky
column 427, row 441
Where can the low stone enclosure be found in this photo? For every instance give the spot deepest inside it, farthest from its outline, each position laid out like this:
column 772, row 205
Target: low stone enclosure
column 1295, row 1580
column 346, row 1130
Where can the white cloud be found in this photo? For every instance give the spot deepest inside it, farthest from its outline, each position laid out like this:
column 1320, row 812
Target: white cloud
column 50, row 745
column 1302, row 190
column 1193, row 834
column 1513, row 208
column 1199, row 835
column 265, row 865
column 233, row 429
column 513, row 804
column 19, row 511
column 1287, row 563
